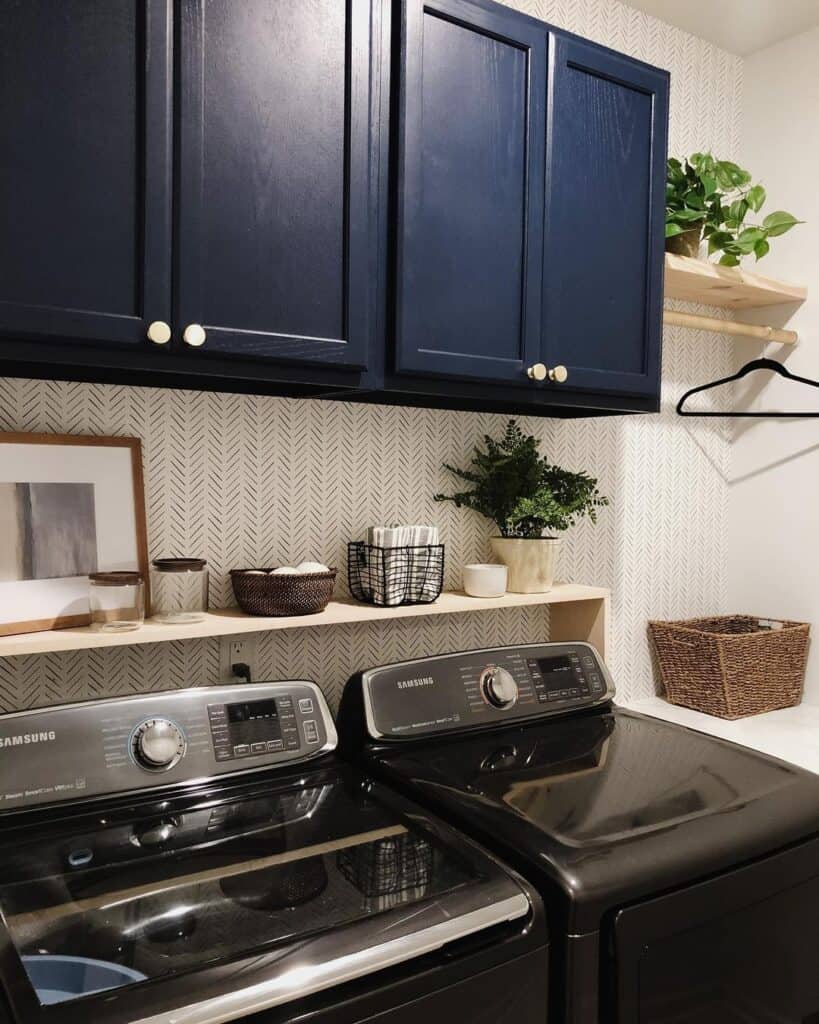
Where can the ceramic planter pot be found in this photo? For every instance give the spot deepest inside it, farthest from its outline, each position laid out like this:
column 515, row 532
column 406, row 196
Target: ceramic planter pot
column 686, row 244
column 531, row 562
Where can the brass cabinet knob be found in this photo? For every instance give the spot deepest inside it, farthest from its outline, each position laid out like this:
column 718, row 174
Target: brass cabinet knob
column 557, row 374
column 159, row 332
column 194, row 335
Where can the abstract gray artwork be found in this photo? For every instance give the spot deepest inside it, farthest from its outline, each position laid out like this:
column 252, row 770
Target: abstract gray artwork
column 47, row 531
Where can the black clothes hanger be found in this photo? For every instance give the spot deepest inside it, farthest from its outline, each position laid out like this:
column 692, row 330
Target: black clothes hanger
column 755, row 364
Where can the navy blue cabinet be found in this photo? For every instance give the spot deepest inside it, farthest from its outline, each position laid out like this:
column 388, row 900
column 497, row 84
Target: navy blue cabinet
column 530, row 213
column 275, row 206
column 472, row 102
column 202, row 166
column 85, row 172
column 416, row 201
column 605, row 218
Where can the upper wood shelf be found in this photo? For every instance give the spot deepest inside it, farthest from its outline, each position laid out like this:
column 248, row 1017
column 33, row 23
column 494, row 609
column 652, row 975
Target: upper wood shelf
column 232, row 621
column 698, row 281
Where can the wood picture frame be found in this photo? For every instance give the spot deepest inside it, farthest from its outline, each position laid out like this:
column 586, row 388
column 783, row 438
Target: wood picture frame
column 73, row 593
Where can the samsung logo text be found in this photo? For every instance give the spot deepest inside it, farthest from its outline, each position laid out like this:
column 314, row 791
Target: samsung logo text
column 411, row 684
column 25, row 738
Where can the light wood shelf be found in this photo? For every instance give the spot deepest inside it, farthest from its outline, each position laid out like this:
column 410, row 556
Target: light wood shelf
column 730, row 287
column 579, row 613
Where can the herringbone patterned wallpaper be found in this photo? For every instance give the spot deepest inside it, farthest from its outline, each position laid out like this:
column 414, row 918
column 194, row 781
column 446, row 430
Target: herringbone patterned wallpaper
column 246, row 479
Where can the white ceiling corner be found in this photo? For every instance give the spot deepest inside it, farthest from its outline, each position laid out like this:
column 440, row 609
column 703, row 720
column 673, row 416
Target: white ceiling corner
column 738, row 26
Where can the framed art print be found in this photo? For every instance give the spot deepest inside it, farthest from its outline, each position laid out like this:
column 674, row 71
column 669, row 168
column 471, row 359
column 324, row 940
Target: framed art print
column 69, row 506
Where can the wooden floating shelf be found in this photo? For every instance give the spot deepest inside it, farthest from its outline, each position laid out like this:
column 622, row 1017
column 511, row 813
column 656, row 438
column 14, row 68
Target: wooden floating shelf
column 580, row 614
column 730, row 287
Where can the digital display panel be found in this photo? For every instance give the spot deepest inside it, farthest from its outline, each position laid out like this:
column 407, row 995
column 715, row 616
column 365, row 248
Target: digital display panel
column 254, row 721
column 250, row 711
column 557, row 672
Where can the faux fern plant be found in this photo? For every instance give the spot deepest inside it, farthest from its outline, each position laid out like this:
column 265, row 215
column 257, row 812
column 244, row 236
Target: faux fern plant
column 517, row 488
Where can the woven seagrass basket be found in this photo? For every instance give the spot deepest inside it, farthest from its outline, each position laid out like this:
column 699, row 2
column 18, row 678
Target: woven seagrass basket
column 732, row 666
column 289, row 594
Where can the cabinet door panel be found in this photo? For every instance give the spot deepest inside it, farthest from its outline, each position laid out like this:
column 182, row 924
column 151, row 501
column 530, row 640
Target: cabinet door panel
column 276, row 211
column 606, row 152
column 85, row 172
column 469, row 191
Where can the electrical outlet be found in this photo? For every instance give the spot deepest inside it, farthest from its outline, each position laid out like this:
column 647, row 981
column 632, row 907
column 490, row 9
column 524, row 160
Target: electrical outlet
column 235, row 649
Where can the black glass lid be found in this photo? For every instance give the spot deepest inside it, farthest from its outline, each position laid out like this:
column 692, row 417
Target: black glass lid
column 609, row 805
column 108, row 900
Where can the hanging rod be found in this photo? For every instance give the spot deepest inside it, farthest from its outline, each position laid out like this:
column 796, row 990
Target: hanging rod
column 710, row 323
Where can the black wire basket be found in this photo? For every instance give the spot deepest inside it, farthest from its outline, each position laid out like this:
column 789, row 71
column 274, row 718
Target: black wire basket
column 389, row 866
column 393, row 576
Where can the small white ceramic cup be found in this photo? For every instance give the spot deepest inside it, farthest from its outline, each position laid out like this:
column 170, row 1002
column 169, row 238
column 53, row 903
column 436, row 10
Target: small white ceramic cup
column 485, row 580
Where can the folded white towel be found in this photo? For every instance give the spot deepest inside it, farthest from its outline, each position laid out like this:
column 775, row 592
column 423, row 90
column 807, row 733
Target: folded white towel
column 405, row 569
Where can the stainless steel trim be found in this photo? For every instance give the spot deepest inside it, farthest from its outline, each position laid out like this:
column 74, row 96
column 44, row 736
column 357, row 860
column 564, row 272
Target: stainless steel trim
column 303, row 980
column 187, row 691
column 376, row 734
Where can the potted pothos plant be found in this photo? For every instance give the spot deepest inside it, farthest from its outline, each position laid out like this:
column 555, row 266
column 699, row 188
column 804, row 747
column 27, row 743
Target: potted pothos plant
column 709, row 200
column 529, row 500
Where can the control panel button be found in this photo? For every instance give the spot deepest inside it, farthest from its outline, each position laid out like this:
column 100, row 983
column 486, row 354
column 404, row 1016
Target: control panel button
column 274, row 745
column 258, row 748
column 498, row 687
column 158, row 745
column 241, row 749
column 311, row 734
column 306, row 705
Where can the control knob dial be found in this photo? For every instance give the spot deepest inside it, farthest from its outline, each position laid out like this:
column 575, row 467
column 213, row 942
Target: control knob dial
column 498, row 687
column 158, row 745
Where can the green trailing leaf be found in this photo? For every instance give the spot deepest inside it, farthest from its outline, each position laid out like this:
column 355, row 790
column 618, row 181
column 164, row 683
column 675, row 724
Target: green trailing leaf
column 746, row 240
column 756, row 197
column 737, row 211
column 519, row 490
column 715, row 197
column 709, row 185
column 778, row 222
column 718, row 240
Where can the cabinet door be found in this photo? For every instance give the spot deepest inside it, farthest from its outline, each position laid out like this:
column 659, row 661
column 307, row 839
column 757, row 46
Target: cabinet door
column 470, row 190
column 605, row 175
column 276, row 209
column 85, row 189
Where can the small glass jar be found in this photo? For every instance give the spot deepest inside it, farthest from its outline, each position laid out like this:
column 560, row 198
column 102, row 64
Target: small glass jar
column 179, row 589
column 117, row 601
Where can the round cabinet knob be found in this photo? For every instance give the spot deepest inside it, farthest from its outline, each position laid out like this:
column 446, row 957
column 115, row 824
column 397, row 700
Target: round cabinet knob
column 194, row 335
column 498, row 687
column 158, row 745
column 556, row 374
column 159, row 332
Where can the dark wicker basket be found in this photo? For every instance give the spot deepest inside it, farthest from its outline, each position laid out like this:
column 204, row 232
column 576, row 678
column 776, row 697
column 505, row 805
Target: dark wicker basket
column 732, row 666
column 288, row 594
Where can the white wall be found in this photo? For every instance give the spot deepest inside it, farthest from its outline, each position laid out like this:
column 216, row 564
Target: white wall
column 773, row 516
